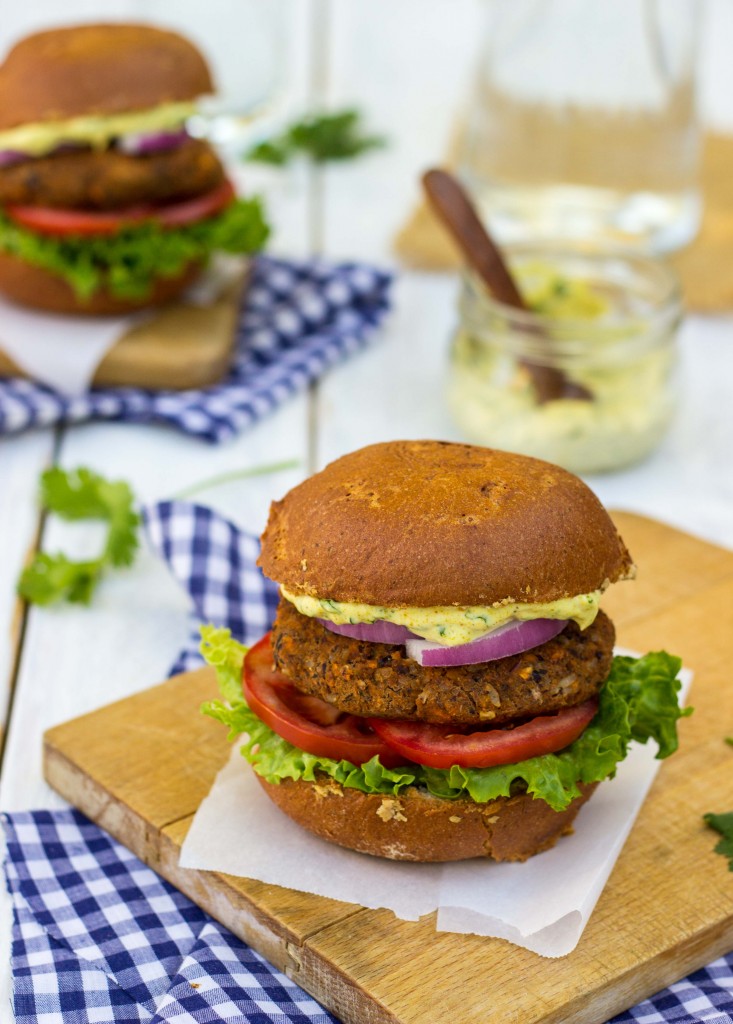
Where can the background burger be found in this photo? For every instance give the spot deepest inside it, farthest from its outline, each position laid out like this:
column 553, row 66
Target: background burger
column 439, row 682
column 106, row 203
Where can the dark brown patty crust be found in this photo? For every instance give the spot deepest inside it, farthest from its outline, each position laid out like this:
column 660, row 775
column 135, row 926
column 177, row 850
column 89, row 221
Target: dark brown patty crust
column 366, row 679
column 110, row 179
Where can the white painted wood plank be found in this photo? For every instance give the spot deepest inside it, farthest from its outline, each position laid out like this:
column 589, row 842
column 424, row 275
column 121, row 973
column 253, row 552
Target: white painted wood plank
column 407, row 66
column 409, row 80
column 21, row 462
column 396, row 389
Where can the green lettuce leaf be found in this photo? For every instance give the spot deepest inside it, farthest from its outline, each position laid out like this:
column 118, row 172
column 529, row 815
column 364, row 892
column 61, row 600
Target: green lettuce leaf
column 127, row 263
column 638, row 702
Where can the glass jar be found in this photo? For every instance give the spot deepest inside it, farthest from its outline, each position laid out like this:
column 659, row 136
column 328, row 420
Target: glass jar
column 606, row 320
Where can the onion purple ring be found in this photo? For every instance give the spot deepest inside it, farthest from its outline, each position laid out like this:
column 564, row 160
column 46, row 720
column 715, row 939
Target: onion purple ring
column 512, row 638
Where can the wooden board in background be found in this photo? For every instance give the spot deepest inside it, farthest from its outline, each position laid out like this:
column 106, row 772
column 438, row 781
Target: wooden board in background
column 141, row 767
column 181, row 346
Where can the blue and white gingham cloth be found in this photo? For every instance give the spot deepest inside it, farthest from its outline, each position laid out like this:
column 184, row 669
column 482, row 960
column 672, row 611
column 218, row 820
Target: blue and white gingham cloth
column 98, row 936
column 297, row 320
column 215, row 562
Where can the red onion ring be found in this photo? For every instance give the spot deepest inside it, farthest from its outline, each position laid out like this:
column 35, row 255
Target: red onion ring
column 8, row 157
column 512, row 638
column 379, row 632
column 139, row 144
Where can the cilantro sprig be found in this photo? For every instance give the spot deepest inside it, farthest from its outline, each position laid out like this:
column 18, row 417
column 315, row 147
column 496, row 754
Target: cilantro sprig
column 76, row 495
column 723, row 825
column 320, row 137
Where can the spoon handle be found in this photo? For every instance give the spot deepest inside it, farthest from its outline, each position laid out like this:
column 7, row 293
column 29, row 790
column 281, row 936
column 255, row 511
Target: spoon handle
column 458, row 214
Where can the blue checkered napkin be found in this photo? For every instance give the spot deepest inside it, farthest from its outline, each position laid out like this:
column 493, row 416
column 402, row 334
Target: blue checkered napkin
column 215, row 562
column 99, row 937
column 297, row 320
column 706, row 995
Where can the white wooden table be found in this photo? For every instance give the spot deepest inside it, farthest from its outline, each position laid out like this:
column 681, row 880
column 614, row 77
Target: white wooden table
column 406, row 64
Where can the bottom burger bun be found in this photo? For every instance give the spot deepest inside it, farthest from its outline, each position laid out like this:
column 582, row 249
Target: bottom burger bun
column 417, row 826
column 36, row 288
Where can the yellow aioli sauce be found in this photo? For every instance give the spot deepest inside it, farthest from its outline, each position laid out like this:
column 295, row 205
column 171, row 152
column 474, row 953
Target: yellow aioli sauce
column 96, row 130
column 448, row 624
column 492, row 396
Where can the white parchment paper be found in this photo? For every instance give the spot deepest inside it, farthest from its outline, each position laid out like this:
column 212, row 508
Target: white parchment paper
column 61, row 351
column 542, row 905
column 65, row 351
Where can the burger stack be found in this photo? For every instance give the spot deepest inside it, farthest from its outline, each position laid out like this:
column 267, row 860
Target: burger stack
column 439, row 683
column 107, row 203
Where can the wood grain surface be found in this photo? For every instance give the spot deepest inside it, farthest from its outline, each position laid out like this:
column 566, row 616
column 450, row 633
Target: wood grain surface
column 140, row 768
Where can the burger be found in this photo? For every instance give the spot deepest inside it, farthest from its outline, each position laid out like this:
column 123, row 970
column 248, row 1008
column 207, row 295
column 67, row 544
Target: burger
column 439, row 683
column 107, row 203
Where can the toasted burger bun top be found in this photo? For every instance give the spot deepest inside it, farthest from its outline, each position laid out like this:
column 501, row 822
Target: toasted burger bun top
column 426, row 523
column 98, row 69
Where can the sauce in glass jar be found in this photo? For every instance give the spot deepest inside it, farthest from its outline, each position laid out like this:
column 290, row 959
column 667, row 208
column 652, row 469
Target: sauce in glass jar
column 607, row 319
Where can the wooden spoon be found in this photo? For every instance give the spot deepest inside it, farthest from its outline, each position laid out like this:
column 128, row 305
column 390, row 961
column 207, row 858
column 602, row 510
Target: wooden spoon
column 458, row 214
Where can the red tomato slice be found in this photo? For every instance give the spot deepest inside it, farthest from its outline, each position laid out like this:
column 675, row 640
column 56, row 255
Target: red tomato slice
column 48, row 220
column 308, row 722
column 189, row 211
column 441, row 746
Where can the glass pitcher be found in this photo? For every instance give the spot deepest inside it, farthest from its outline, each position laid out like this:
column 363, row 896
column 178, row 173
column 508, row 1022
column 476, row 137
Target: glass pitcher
column 583, row 121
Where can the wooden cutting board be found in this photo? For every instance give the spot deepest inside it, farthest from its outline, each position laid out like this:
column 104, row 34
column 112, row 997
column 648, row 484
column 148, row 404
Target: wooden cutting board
column 181, row 346
column 141, row 767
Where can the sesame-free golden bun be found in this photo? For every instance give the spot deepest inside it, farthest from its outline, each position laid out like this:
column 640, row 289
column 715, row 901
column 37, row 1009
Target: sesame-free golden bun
column 99, row 69
column 417, row 826
column 430, row 523
column 36, row 288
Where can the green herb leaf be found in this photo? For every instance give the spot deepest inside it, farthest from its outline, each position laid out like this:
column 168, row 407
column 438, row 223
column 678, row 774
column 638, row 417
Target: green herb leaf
column 127, row 263
column 723, row 824
column 76, row 495
column 270, row 151
column 54, row 578
column 320, row 137
column 634, row 687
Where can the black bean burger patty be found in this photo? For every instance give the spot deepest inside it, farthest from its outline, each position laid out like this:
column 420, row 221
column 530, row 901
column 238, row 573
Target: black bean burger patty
column 379, row 679
column 110, row 179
